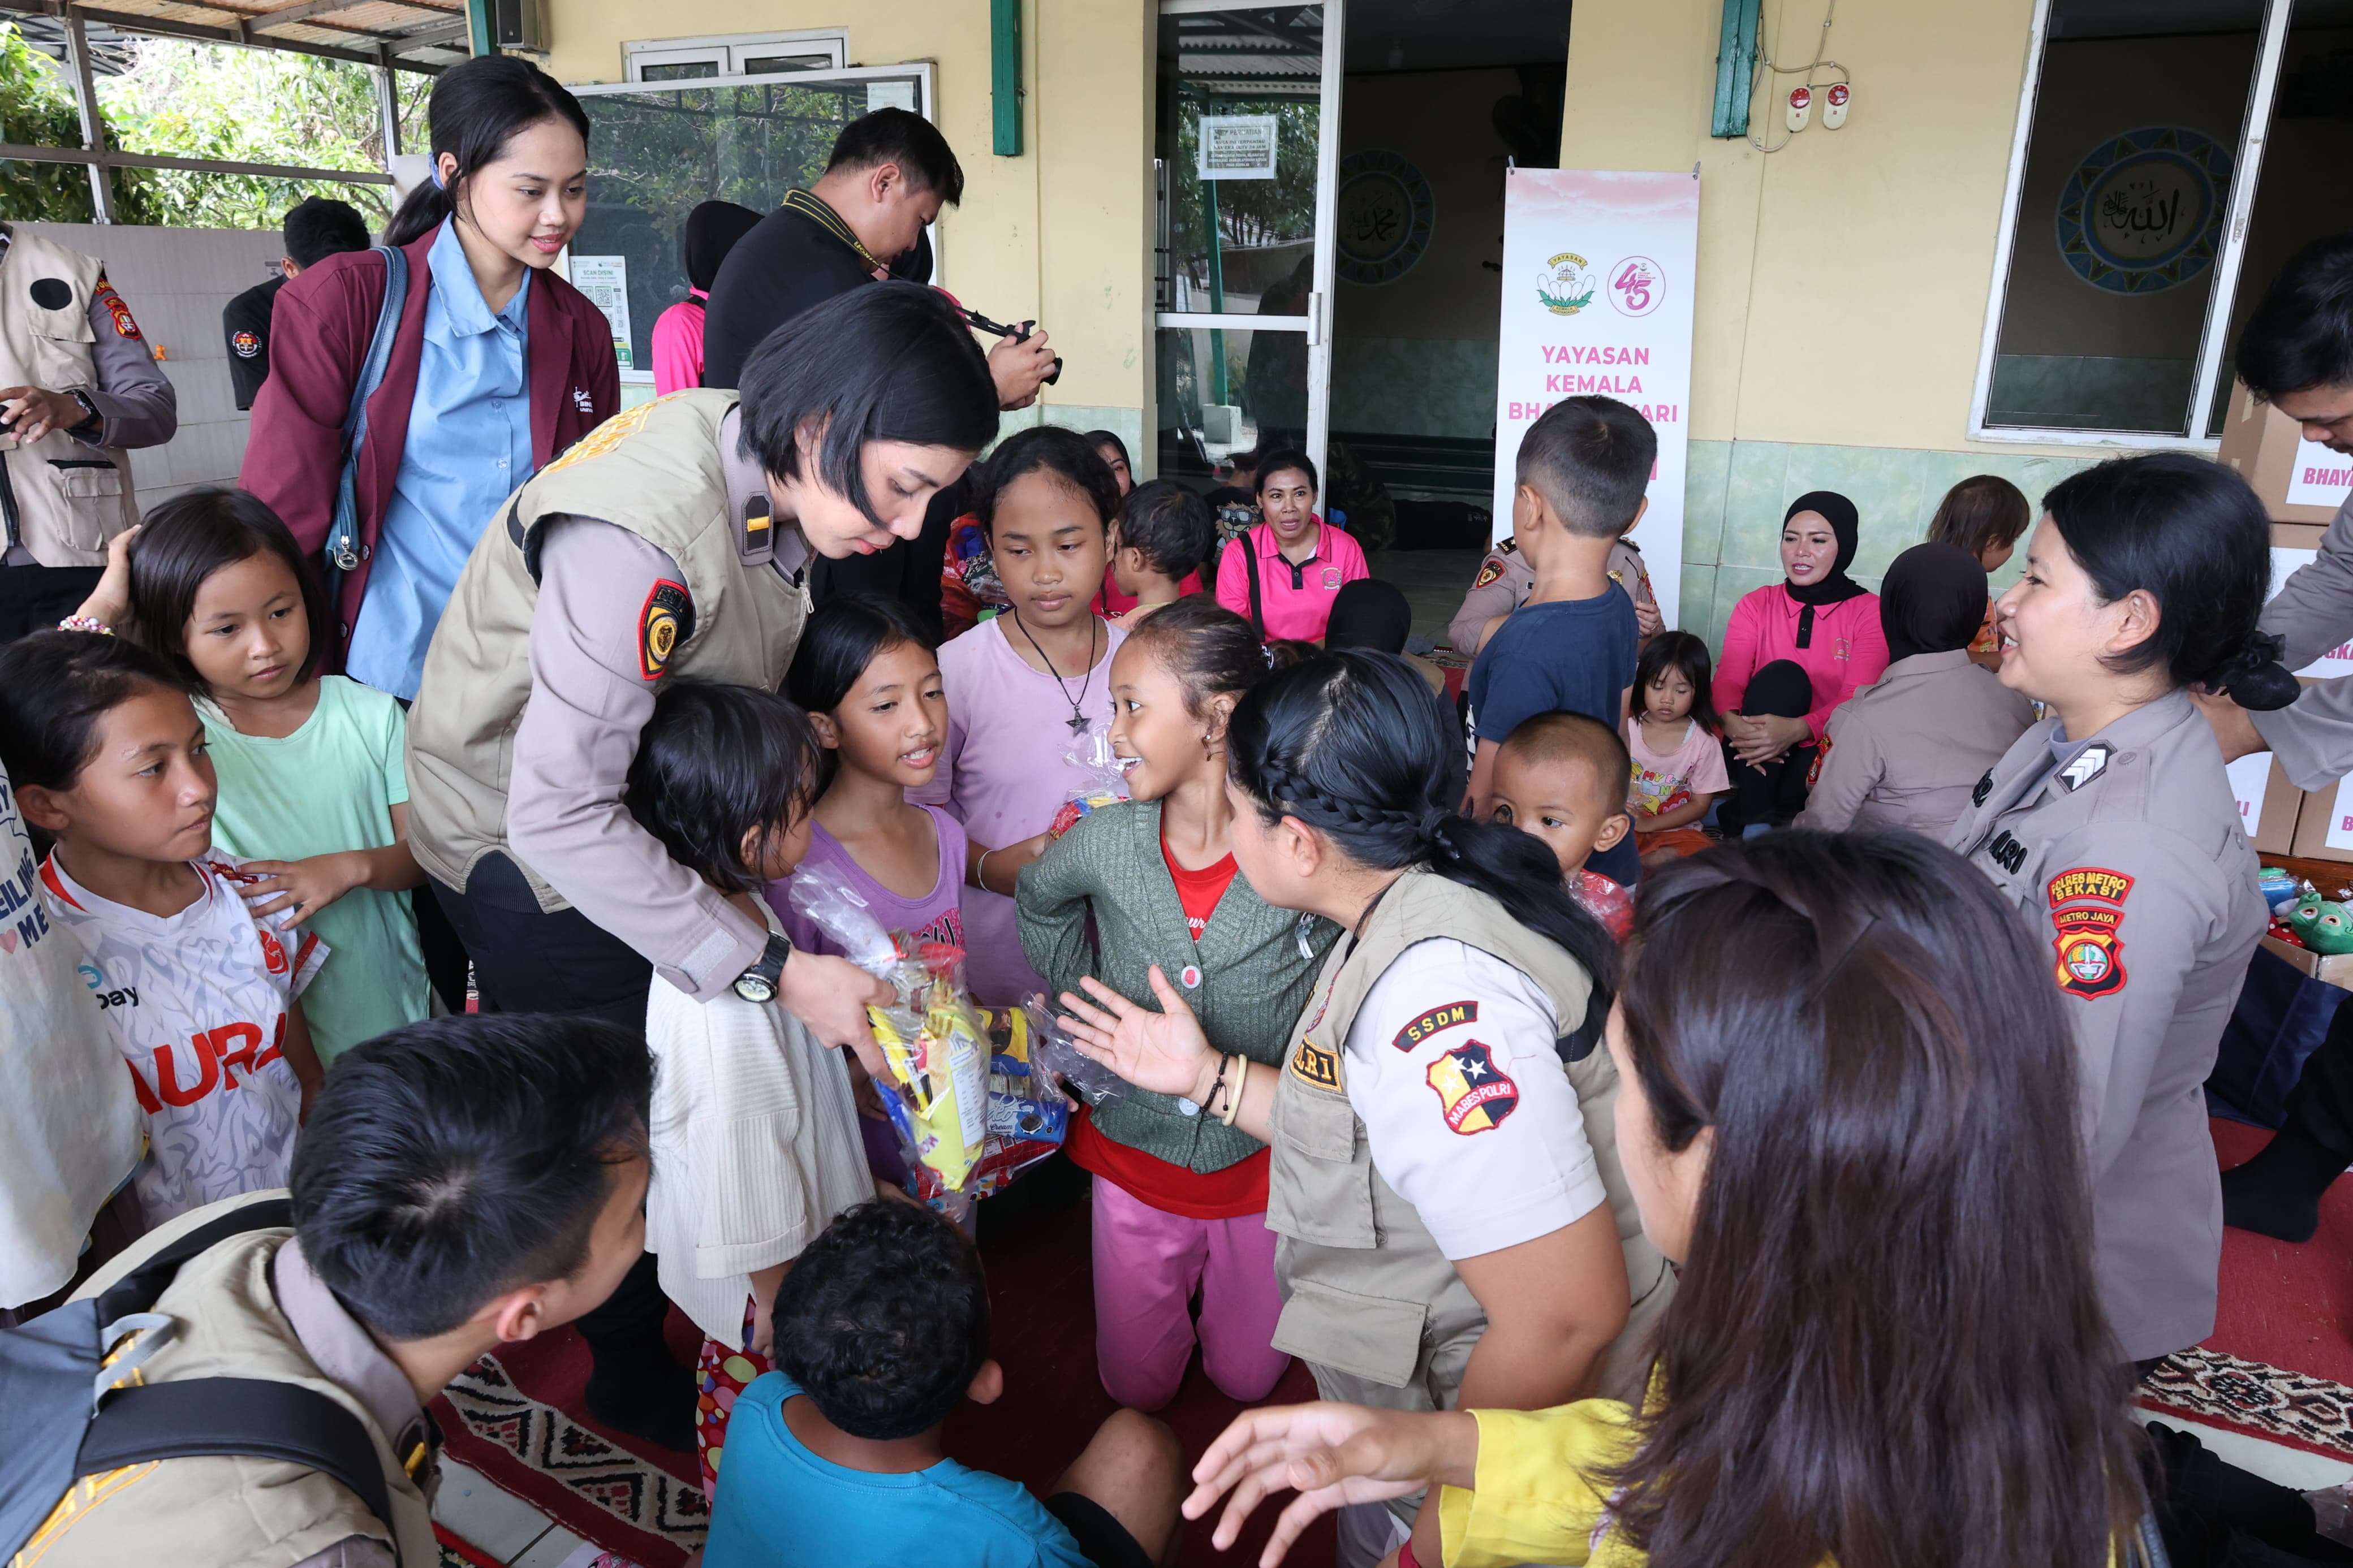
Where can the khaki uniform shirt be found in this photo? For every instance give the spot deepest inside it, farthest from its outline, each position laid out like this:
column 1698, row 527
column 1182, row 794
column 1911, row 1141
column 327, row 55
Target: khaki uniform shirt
column 1907, row 751
column 1505, row 580
column 64, row 328
column 1370, row 1301
column 2124, row 853
column 544, row 669
column 252, row 1307
column 2312, row 737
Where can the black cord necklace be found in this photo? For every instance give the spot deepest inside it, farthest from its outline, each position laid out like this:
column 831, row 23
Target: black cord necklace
column 1080, row 723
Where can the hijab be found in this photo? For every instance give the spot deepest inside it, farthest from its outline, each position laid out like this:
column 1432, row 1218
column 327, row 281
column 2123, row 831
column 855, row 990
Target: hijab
column 711, row 230
column 1933, row 601
column 1370, row 613
column 1839, row 513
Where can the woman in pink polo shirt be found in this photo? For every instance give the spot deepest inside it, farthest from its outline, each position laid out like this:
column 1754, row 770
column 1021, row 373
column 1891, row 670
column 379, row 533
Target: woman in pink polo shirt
column 1283, row 576
column 1793, row 651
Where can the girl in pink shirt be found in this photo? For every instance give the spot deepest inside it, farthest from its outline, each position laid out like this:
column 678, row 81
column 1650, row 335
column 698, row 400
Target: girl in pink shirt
column 1792, row 652
column 1030, row 686
column 711, row 231
column 1297, row 562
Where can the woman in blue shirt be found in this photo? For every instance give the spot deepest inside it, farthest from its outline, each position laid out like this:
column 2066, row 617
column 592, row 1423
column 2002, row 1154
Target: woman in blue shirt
column 497, row 366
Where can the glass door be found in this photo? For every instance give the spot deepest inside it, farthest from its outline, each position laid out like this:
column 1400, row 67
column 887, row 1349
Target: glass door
column 656, row 152
column 1248, row 136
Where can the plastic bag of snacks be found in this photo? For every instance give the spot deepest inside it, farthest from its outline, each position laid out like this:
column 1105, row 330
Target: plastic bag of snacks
column 1105, row 783
column 964, row 1094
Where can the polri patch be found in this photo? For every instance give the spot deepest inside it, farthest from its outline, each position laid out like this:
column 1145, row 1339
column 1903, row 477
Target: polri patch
column 2089, row 882
column 668, row 614
column 1316, row 1066
column 124, row 327
column 247, row 344
column 2090, row 955
column 1490, row 571
column 1474, row 1095
column 1436, row 1019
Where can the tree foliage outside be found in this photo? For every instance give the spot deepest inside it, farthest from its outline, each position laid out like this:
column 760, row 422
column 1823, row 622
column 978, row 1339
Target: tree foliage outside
column 185, row 100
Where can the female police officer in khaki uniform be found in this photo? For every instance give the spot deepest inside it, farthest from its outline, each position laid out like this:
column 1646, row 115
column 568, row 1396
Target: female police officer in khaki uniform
column 2111, row 824
column 1453, row 1223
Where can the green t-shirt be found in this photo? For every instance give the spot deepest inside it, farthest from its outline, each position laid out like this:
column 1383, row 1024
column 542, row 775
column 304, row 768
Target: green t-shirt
column 331, row 787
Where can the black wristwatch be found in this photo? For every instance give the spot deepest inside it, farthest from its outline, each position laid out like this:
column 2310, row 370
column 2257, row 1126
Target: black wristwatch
column 758, row 984
column 91, row 418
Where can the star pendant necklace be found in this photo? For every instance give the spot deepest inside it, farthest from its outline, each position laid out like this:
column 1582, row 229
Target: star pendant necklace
column 1080, row 723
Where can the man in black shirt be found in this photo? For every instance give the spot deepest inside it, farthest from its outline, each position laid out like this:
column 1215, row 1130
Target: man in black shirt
column 316, row 229
column 863, row 221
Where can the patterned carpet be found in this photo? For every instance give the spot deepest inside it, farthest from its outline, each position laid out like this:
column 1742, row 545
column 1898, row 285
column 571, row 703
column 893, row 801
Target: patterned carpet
column 2249, row 1397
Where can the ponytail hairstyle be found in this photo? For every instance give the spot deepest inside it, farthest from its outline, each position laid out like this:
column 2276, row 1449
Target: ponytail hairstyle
column 1856, row 1368
column 1687, row 656
column 477, row 108
column 1212, row 651
column 1356, row 746
column 2191, row 534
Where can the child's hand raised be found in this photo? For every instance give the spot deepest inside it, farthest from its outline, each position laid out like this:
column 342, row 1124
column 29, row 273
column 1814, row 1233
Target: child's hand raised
column 1165, row 1051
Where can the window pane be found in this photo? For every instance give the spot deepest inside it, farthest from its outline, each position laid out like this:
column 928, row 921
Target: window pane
column 770, row 65
column 1242, row 242
column 2128, row 167
column 2301, row 194
column 1262, row 393
column 654, row 155
column 678, row 70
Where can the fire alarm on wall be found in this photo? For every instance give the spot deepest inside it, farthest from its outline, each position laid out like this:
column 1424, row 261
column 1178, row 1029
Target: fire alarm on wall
column 1834, row 103
column 1801, row 104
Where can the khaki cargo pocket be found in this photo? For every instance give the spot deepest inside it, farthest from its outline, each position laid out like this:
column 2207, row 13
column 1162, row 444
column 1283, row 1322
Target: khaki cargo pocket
column 1371, row 1337
column 92, row 487
column 1319, row 1185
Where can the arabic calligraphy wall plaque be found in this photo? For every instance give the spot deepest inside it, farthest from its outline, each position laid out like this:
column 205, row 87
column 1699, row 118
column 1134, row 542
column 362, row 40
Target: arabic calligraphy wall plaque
column 2143, row 211
column 1386, row 215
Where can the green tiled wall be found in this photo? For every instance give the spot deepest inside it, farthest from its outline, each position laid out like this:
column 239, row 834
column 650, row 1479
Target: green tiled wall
column 1736, row 492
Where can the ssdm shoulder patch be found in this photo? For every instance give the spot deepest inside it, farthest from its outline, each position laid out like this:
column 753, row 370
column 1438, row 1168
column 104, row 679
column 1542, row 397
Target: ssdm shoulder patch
column 1452, row 1016
column 667, row 617
column 1315, row 1066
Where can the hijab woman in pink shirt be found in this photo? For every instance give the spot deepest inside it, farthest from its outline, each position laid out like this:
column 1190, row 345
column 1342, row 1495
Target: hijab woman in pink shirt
column 1792, row 652
column 711, row 230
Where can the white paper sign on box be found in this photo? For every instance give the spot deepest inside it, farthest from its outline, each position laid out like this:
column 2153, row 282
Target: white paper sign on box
column 2320, row 477
column 2340, row 816
column 2251, row 777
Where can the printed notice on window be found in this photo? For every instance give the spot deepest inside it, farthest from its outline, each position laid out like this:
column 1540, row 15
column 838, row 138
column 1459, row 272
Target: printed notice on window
column 606, row 280
column 2320, row 477
column 890, row 94
column 1238, row 146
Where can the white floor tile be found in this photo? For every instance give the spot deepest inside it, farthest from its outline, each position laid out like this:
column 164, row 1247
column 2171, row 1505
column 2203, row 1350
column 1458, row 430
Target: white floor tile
column 2273, row 1461
column 497, row 1522
column 555, row 1550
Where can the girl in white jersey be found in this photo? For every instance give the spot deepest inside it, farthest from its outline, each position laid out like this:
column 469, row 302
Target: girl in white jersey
column 109, row 762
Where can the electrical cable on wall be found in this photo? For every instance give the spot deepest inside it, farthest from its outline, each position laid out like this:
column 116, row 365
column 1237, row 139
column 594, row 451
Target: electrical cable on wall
column 1766, row 63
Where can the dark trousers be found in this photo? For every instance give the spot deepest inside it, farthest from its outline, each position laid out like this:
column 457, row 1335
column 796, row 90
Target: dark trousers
column 2212, row 1514
column 2320, row 1106
column 1776, row 792
column 35, row 598
column 529, row 961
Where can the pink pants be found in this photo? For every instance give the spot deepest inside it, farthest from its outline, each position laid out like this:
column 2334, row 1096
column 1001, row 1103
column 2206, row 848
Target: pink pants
column 1148, row 1263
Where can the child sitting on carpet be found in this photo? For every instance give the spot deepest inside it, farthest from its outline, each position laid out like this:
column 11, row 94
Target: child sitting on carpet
column 1678, row 756
column 754, row 1130
column 838, row 1460
column 1559, row 777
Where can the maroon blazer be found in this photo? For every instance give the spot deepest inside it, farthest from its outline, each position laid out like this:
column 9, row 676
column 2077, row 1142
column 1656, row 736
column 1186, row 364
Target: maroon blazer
column 318, row 337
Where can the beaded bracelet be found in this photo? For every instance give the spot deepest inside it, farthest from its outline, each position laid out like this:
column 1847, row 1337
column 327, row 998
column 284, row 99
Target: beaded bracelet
column 85, row 624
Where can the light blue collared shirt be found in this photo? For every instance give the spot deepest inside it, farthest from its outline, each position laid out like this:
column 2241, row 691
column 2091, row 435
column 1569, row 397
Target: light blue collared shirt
column 469, row 447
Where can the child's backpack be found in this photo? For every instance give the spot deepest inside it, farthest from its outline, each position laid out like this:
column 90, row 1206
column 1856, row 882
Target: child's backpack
column 66, row 1413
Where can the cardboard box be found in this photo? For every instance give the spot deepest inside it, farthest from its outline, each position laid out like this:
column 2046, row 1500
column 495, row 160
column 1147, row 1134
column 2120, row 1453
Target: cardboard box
column 2326, row 813
column 2336, row 968
column 2295, row 479
column 2270, row 807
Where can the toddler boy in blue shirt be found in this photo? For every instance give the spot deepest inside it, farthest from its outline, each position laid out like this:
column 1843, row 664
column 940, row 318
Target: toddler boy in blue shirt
column 837, row 1459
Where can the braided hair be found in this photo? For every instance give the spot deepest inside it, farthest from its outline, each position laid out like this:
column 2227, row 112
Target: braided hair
column 1356, row 745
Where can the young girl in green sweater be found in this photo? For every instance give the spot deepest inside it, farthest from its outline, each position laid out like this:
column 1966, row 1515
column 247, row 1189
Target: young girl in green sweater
column 1180, row 1196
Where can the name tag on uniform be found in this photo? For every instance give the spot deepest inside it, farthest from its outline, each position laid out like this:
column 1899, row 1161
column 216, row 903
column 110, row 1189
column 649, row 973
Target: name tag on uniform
column 1315, row 1066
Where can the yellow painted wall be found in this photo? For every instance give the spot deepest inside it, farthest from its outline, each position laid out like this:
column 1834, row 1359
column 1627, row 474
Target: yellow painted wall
column 1061, row 234
column 1843, row 277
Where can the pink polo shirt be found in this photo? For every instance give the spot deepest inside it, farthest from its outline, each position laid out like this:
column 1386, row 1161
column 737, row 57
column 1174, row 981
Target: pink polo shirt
column 1297, row 599
column 1847, row 652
